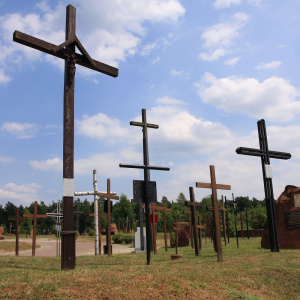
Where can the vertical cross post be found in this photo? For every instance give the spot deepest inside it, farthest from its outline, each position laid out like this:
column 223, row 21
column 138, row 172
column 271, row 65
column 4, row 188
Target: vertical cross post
column 227, row 220
column 214, row 186
column 193, row 204
column 223, row 209
column 235, row 222
column 146, row 167
column 165, row 221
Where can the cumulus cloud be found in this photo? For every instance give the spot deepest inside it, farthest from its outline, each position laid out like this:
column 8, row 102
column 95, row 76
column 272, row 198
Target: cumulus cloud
column 219, row 38
column 20, row 130
column 55, row 164
column 225, row 3
column 274, row 99
column 3, row 77
column 110, row 38
column 20, row 194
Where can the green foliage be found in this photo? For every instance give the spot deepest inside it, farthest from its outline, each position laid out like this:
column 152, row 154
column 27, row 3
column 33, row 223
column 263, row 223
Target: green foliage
column 123, row 238
column 92, row 232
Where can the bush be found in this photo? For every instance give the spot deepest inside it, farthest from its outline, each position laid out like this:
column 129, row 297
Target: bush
column 123, row 238
column 91, row 232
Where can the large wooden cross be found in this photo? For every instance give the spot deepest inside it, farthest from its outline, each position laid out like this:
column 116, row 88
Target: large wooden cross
column 35, row 216
column 66, row 51
column 214, row 186
column 17, row 219
column 265, row 155
column 193, row 204
column 146, row 167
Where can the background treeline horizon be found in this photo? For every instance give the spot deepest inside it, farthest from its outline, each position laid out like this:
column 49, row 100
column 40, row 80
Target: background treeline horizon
column 126, row 214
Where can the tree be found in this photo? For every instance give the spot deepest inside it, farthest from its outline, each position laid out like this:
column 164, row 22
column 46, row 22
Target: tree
column 178, row 209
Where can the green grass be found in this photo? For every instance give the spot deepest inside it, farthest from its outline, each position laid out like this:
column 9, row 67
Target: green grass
column 248, row 273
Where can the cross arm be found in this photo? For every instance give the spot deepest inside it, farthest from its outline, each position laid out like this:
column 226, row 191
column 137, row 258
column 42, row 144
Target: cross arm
column 192, row 203
column 143, row 167
column 32, row 216
column 209, row 186
column 259, row 152
column 41, row 45
column 133, row 123
column 105, row 195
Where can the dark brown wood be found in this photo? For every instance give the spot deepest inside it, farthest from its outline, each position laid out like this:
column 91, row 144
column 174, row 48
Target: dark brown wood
column 35, row 216
column 17, row 219
column 108, row 196
column 176, row 228
column 223, row 209
column 217, row 230
column 193, row 204
column 66, row 51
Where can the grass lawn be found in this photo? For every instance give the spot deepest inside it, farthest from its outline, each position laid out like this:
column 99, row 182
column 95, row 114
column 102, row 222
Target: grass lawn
column 246, row 273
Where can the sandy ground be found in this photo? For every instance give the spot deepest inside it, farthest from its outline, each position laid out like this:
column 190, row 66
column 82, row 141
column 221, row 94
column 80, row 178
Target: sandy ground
column 48, row 248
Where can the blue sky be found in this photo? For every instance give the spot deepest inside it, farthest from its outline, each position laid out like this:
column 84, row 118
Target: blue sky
column 205, row 71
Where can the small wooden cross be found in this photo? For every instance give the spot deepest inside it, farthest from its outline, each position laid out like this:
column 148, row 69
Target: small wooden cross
column 108, row 195
column 200, row 227
column 35, row 216
column 189, row 213
column 214, row 186
column 176, row 228
column 17, row 219
column 193, row 204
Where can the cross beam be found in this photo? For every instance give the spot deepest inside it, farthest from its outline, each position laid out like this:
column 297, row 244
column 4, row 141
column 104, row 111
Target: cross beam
column 67, row 52
column 214, row 186
column 265, row 155
column 146, row 167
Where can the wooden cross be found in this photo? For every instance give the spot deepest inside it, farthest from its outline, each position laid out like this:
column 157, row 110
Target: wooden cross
column 176, row 228
column 235, row 222
column 66, row 51
column 214, row 186
column 17, row 219
column 108, row 195
column 146, row 167
column 265, row 155
column 189, row 213
column 227, row 220
column 242, row 225
column 200, row 227
column 35, row 216
column 193, row 204
column 77, row 213
column 164, row 209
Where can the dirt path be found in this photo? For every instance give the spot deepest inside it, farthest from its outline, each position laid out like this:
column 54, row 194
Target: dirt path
column 48, row 248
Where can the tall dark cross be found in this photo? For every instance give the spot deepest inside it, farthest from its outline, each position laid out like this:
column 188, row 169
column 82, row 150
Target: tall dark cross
column 193, row 204
column 227, row 220
column 17, row 219
column 35, row 216
column 265, row 155
column 200, row 227
column 146, row 167
column 67, row 52
column 214, row 186
column 108, row 195
column 235, row 221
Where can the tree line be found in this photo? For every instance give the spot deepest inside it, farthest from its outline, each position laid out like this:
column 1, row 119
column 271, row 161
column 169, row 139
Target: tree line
column 126, row 214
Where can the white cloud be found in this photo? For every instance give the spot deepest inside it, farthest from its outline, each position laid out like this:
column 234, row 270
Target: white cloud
column 232, row 61
column 176, row 73
column 101, row 126
column 269, row 66
column 225, row 3
column 20, row 194
column 169, row 101
column 6, row 159
column 20, row 130
column 4, row 78
column 274, row 99
column 109, row 38
column 55, row 164
column 219, row 38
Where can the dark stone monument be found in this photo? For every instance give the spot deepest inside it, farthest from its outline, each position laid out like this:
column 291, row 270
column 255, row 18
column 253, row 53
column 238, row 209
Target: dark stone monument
column 288, row 219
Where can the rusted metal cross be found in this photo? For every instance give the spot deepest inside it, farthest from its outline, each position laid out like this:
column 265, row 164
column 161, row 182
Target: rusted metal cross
column 66, row 51
column 214, row 186
column 193, row 204
column 35, row 216
column 17, row 219
column 108, row 195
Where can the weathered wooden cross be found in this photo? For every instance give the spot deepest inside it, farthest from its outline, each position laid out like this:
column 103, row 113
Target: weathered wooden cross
column 77, row 213
column 265, row 155
column 214, row 186
column 35, row 216
column 193, row 204
column 17, row 219
column 235, row 222
column 146, row 167
column 200, row 227
column 227, row 220
column 66, row 51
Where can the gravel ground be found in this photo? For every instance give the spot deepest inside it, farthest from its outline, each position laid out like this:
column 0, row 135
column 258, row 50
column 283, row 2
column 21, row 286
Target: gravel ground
column 48, row 248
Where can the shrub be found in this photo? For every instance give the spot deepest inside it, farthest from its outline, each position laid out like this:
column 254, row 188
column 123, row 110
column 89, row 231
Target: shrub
column 91, row 232
column 123, row 238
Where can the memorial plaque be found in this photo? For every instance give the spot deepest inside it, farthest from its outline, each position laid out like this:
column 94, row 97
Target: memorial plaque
column 297, row 200
column 292, row 219
column 138, row 191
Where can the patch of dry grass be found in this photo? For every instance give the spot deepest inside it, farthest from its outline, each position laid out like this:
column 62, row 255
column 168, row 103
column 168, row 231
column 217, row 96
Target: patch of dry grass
column 247, row 273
